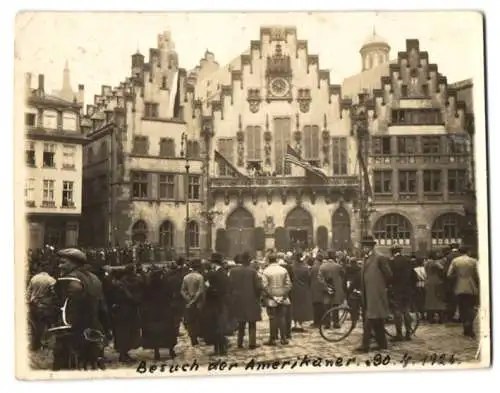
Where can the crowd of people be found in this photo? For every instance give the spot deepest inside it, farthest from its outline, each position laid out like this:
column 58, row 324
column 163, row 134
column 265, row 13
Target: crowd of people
column 134, row 306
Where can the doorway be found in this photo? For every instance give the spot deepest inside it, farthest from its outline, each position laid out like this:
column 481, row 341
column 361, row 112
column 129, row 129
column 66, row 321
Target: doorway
column 299, row 238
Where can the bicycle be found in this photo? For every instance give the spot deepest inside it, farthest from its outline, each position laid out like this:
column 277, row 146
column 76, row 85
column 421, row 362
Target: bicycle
column 348, row 316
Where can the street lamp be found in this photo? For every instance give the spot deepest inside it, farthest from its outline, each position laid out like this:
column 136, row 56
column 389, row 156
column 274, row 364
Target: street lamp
column 184, row 152
column 360, row 130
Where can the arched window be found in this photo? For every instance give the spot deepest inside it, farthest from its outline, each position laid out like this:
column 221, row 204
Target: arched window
column 392, row 229
column 139, row 232
column 193, row 234
column 167, row 234
column 446, row 229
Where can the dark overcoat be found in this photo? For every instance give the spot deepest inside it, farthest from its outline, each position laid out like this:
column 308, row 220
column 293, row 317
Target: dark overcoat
column 375, row 276
column 124, row 300
column 301, row 293
column 404, row 279
column 317, row 288
column 158, row 322
column 244, row 288
column 215, row 312
column 332, row 273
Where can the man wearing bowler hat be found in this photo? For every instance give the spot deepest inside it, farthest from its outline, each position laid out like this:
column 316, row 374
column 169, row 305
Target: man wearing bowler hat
column 84, row 320
column 375, row 277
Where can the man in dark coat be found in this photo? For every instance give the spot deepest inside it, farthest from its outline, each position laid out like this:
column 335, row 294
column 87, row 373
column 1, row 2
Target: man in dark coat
column 158, row 321
column 84, row 321
column 375, row 276
column 401, row 292
column 317, row 291
column 245, row 288
column 217, row 303
column 331, row 275
column 174, row 281
column 124, row 299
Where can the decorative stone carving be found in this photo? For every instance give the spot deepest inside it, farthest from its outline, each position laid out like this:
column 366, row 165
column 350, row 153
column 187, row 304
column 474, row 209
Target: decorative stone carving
column 269, row 197
column 298, row 197
column 254, row 100
column 240, row 137
column 304, row 99
column 240, row 198
column 255, row 197
column 297, row 136
column 283, row 196
column 269, row 225
column 313, row 197
column 267, row 147
column 326, row 142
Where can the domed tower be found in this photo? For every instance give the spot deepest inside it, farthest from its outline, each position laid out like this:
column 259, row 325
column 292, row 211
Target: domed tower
column 137, row 64
column 374, row 52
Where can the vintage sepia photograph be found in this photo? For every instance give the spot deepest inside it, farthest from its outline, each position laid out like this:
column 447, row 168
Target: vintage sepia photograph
column 250, row 193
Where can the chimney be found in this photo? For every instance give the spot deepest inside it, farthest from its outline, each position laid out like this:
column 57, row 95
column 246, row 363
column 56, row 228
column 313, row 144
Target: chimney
column 41, row 88
column 27, row 84
column 80, row 98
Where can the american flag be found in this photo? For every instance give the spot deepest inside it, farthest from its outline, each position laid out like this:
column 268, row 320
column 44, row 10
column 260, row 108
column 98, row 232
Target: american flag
column 293, row 157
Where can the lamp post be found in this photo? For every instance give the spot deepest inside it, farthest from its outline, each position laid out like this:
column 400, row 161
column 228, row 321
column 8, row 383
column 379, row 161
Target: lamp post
column 360, row 130
column 184, row 152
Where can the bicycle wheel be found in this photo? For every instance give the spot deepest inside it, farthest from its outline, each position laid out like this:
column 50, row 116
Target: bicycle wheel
column 390, row 326
column 335, row 332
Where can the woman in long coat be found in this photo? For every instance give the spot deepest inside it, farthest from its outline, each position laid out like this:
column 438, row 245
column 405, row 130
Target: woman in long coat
column 159, row 328
column 301, row 296
column 124, row 298
column 435, row 289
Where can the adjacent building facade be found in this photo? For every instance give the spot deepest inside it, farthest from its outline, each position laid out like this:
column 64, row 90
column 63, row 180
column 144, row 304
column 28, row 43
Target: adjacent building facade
column 137, row 187
column 419, row 156
column 53, row 156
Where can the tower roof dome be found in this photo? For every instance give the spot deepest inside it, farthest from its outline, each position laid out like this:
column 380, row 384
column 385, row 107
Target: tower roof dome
column 375, row 40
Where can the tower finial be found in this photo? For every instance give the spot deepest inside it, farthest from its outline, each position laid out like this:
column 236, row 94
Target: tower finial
column 373, row 31
column 66, row 66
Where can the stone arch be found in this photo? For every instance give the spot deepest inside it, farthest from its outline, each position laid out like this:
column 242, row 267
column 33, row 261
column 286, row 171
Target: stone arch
column 167, row 231
column 139, row 232
column 240, row 225
column 446, row 229
column 393, row 228
column 299, row 226
column 341, row 229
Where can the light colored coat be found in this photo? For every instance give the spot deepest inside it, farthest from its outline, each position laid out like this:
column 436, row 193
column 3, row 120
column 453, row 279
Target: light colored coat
column 464, row 270
column 375, row 275
column 276, row 285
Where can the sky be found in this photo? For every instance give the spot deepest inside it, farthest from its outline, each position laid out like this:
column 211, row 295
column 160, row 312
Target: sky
column 98, row 46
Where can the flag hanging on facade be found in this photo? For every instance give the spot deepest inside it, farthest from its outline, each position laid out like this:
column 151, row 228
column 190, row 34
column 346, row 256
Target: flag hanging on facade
column 220, row 159
column 174, row 102
column 293, row 157
column 367, row 188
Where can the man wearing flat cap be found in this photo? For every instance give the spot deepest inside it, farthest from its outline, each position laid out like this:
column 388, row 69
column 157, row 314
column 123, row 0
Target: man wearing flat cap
column 375, row 278
column 84, row 314
column 217, row 304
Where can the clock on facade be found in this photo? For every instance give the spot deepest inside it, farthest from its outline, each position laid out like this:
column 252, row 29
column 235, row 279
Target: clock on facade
column 279, row 87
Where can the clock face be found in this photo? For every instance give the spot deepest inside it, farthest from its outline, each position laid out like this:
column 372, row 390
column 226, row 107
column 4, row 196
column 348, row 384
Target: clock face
column 279, row 87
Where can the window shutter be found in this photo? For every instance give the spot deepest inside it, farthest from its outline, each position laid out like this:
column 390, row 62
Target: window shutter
column 315, row 142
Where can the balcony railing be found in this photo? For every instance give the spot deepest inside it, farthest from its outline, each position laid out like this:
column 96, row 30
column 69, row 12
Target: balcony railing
column 419, row 159
column 264, row 182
